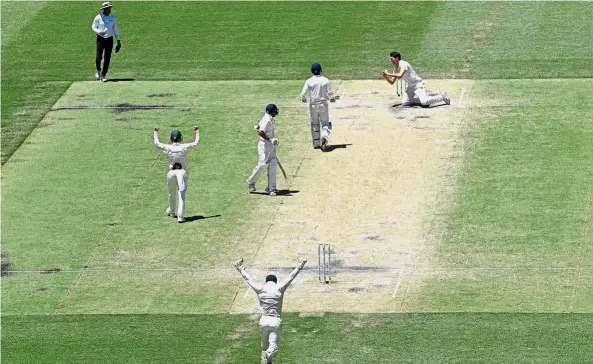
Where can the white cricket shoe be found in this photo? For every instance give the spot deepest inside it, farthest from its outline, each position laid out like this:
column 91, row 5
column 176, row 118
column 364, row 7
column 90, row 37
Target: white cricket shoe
column 97, row 75
column 103, row 79
column 251, row 187
column 180, row 219
column 446, row 98
column 170, row 213
column 272, row 192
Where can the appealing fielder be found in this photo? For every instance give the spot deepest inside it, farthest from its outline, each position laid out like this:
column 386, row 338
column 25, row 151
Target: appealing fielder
column 177, row 177
column 266, row 150
column 105, row 25
column 270, row 297
column 320, row 92
column 416, row 92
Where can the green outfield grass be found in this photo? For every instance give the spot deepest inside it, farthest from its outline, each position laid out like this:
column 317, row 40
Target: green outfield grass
column 83, row 189
column 333, row 338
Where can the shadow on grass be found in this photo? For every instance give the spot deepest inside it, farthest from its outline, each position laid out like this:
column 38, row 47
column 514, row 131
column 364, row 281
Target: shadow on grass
column 279, row 193
column 120, row 79
column 200, row 217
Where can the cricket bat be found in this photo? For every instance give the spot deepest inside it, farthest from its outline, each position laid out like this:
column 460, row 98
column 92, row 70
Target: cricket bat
column 281, row 168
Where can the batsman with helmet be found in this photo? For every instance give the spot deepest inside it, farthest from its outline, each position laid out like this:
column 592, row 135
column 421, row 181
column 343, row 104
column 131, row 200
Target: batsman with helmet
column 266, row 149
column 177, row 176
column 319, row 88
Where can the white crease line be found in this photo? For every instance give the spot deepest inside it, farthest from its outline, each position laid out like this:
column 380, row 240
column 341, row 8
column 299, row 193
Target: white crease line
column 399, row 281
column 461, row 96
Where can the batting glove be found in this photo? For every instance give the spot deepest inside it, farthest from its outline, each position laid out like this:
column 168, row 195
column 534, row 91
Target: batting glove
column 275, row 141
column 304, row 99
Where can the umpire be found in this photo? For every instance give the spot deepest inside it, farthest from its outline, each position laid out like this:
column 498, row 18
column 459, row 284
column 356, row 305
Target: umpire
column 105, row 25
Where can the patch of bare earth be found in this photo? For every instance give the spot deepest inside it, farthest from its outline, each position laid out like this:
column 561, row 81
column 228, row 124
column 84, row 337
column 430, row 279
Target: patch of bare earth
column 375, row 198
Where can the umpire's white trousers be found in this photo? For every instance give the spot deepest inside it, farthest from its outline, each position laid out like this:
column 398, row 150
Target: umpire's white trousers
column 319, row 122
column 177, row 183
column 417, row 94
column 266, row 156
column 270, row 328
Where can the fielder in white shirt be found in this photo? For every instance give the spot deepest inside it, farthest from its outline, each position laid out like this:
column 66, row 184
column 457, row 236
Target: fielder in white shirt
column 415, row 92
column 270, row 297
column 177, row 177
column 105, row 26
column 266, row 149
column 320, row 92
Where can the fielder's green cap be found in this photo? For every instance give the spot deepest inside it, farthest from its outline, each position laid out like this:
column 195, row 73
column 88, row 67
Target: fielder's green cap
column 175, row 135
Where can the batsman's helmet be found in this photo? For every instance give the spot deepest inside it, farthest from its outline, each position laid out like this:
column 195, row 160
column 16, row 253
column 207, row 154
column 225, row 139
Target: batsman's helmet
column 271, row 108
column 272, row 278
column 176, row 136
column 316, row 69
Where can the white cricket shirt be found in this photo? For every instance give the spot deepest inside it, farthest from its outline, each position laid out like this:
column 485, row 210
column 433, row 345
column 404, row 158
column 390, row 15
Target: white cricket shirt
column 108, row 23
column 270, row 295
column 177, row 152
column 267, row 125
column 320, row 89
column 410, row 76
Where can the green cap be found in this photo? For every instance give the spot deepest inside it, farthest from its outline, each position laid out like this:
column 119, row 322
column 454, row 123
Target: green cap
column 176, row 135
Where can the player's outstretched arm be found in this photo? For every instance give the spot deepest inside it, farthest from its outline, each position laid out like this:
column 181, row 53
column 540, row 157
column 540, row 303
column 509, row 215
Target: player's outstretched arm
column 250, row 281
column 284, row 285
column 196, row 141
column 157, row 143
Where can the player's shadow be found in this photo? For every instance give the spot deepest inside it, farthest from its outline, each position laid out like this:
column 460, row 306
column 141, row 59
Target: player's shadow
column 399, row 105
column 200, row 217
column 332, row 147
column 120, row 79
column 279, row 193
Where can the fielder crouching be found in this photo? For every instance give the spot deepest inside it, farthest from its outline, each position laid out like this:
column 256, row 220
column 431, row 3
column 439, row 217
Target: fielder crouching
column 319, row 88
column 177, row 177
column 416, row 92
column 270, row 296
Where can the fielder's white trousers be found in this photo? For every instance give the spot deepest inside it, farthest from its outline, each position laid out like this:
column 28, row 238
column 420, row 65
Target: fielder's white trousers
column 417, row 94
column 266, row 156
column 270, row 328
column 177, row 183
column 319, row 122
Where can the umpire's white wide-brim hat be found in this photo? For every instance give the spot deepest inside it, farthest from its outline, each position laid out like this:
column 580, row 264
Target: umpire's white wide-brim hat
column 106, row 5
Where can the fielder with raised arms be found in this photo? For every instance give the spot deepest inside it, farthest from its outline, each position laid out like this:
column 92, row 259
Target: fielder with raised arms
column 270, row 297
column 177, row 177
column 416, row 92
column 319, row 88
column 266, row 149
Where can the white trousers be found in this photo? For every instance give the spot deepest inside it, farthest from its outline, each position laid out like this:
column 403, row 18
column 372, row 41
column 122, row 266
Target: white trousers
column 270, row 328
column 266, row 156
column 177, row 183
column 319, row 122
column 414, row 95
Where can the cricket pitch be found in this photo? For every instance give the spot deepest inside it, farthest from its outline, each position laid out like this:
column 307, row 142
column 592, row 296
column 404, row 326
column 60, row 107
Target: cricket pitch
column 376, row 198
